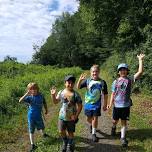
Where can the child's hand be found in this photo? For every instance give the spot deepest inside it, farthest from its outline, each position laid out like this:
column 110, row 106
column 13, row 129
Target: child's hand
column 83, row 76
column 27, row 93
column 74, row 117
column 141, row 56
column 108, row 107
column 53, row 90
column 104, row 108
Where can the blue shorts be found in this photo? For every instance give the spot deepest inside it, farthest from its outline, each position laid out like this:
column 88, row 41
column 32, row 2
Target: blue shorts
column 91, row 113
column 35, row 123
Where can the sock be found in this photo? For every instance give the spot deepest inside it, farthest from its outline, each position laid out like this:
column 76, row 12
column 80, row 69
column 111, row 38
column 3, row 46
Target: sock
column 31, row 138
column 123, row 131
column 93, row 130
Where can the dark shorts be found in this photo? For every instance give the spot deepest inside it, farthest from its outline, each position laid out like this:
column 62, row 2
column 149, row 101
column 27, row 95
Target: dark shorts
column 35, row 123
column 121, row 113
column 91, row 113
column 66, row 125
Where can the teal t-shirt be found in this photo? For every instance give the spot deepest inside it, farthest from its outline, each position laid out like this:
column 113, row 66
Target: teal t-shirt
column 93, row 95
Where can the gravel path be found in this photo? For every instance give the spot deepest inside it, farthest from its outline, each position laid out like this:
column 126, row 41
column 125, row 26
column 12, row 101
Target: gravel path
column 106, row 142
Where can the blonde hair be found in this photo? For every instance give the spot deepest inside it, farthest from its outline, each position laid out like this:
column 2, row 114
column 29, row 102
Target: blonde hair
column 33, row 85
column 95, row 66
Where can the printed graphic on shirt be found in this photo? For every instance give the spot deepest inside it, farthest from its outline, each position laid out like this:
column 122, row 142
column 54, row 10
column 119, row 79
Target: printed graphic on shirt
column 68, row 107
column 122, row 89
column 94, row 92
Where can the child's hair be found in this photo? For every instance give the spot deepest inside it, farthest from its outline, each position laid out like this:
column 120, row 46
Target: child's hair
column 33, row 85
column 96, row 67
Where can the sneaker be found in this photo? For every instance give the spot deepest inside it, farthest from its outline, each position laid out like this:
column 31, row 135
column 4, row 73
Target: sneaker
column 124, row 142
column 45, row 135
column 64, row 147
column 33, row 147
column 113, row 131
column 70, row 148
column 94, row 138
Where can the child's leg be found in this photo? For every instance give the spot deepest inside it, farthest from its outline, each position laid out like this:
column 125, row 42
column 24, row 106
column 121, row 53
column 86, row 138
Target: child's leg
column 115, row 116
column 123, row 140
column 70, row 138
column 32, row 125
column 124, row 117
column 89, row 120
column 43, row 133
column 94, row 124
column 114, row 125
column 63, row 136
column 40, row 126
column 94, row 128
column 31, row 138
column 70, row 145
column 62, row 130
column 70, row 131
column 123, row 129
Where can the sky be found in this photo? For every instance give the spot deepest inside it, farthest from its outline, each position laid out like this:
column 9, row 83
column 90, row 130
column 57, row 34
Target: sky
column 27, row 22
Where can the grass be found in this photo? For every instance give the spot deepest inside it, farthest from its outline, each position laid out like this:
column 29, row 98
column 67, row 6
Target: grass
column 140, row 124
column 13, row 122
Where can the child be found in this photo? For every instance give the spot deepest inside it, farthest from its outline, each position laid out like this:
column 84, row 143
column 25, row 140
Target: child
column 35, row 101
column 120, row 97
column 69, row 112
column 96, row 87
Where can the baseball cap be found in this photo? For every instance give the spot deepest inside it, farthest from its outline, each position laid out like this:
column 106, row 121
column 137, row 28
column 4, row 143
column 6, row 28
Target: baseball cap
column 122, row 65
column 70, row 77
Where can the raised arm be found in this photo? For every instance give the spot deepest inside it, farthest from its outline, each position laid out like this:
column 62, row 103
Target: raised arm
column 140, row 68
column 23, row 97
column 82, row 77
column 54, row 96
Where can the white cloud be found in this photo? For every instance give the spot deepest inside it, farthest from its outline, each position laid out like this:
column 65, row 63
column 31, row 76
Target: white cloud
column 27, row 22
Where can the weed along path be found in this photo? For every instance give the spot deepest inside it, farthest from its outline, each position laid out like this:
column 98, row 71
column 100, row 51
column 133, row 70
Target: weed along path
column 105, row 144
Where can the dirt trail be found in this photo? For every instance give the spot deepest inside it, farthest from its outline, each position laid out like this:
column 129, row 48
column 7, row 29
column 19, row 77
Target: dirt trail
column 84, row 143
column 106, row 142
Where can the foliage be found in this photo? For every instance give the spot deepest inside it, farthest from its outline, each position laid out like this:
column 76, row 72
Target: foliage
column 14, row 78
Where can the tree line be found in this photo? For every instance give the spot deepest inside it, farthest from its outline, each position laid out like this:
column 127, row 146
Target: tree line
column 98, row 30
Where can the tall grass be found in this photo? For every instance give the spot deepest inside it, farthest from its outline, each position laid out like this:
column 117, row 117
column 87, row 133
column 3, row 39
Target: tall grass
column 14, row 78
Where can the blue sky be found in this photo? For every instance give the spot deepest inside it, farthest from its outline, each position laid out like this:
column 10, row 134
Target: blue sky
column 27, row 22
